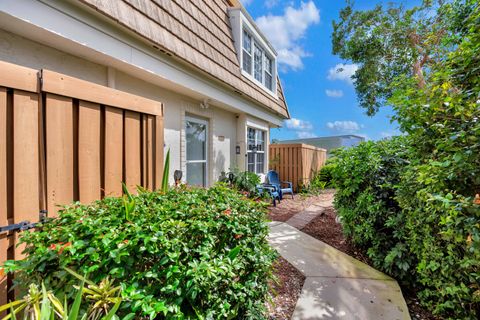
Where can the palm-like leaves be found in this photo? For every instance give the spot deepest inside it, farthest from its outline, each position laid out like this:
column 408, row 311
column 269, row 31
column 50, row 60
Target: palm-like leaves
column 103, row 303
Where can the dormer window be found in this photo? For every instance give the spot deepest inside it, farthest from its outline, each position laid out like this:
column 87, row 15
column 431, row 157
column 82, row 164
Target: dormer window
column 262, row 67
column 256, row 56
column 247, row 52
column 268, row 73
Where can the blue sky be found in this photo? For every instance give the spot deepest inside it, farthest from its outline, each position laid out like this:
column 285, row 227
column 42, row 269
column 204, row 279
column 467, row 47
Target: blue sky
column 322, row 101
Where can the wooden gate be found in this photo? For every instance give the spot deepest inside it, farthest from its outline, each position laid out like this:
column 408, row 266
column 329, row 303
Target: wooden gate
column 62, row 140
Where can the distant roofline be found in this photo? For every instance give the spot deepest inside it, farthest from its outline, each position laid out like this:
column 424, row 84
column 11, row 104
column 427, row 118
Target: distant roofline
column 315, row 138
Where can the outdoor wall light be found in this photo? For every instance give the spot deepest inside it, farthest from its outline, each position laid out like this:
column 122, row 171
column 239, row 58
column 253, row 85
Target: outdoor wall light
column 237, row 149
column 177, row 176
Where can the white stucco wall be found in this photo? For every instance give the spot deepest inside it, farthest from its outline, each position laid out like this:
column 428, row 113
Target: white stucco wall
column 222, row 123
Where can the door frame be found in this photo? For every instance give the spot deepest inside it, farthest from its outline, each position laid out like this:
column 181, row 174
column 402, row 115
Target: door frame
column 199, row 120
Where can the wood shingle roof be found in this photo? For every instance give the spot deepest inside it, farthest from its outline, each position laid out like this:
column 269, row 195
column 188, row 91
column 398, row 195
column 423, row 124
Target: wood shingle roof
column 197, row 32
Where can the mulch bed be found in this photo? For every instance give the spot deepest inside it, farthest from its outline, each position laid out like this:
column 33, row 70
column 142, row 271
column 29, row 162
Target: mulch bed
column 326, row 229
column 288, row 207
column 285, row 291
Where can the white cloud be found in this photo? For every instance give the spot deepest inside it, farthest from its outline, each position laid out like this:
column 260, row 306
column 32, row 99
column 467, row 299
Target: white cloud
column 334, row 93
column 270, row 3
column 305, row 134
column 286, row 31
column 297, row 124
column 344, row 126
column 342, row 72
column 303, row 129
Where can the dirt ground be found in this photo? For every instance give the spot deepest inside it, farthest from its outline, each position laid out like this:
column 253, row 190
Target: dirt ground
column 288, row 207
column 284, row 292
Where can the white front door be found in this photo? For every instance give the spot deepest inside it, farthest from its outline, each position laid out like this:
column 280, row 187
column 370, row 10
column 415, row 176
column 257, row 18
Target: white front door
column 196, row 131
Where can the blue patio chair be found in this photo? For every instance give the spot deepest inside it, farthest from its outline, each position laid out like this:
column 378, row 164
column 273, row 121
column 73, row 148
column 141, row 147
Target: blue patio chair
column 274, row 179
column 271, row 190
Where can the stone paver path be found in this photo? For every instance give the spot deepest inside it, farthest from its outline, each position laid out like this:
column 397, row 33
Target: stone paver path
column 337, row 286
column 303, row 218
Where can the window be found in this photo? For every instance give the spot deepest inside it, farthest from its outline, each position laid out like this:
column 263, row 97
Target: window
column 255, row 150
column 196, row 147
column 268, row 73
column 262, row 66
column 247, row 52
column 258, row 56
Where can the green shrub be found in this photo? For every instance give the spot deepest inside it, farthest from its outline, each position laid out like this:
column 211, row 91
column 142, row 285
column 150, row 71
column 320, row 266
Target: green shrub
column 326, row 172
column 244, row 181
column 189, row 253
column 433, row 87
column 366, row 177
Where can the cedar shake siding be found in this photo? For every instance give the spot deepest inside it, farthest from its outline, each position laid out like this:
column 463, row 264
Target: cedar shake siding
column 198, row 33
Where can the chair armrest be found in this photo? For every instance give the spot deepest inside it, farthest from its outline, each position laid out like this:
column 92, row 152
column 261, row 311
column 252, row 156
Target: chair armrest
column 269, row 186
column 290, row 185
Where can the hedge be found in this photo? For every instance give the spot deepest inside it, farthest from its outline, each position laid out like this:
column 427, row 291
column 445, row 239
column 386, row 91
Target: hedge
column 189, row 253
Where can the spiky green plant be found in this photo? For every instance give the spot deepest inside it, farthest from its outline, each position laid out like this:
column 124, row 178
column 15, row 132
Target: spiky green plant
column 102, row 301
column 166, row 170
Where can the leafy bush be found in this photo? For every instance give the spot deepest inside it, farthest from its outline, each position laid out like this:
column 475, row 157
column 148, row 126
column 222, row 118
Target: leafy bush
column 244, row 181
column 366, row 178
column 189, row 253
column 326, row 172
column 422, row 61
column 321, row 179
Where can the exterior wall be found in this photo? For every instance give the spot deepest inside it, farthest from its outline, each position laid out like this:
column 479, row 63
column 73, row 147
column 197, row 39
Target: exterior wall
column 222, row 123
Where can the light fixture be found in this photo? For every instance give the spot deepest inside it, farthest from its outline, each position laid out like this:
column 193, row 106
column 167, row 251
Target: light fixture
column 205, row 104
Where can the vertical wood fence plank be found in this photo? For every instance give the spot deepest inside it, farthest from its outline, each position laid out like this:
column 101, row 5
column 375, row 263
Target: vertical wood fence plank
column 143, row 139
column 60, row 144
column 132, row 151
column 3, row 193
column 113, row 151
column 25, row 160
column 150, row 153
column 3, row 276
column 89, row 152
column 3, row 161
column 159, row 151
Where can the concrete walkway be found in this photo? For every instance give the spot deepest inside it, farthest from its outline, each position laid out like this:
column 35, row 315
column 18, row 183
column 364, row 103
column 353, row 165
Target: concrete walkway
column 337, row 286
column 303, row 218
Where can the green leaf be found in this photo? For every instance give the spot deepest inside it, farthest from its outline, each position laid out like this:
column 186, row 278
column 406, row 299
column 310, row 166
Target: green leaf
column 75, row 310
column 166, row 170
column 234, row 252
column 112, row 312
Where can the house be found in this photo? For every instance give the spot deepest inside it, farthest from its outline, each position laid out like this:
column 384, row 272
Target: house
column 206, row 61
column 331, row 142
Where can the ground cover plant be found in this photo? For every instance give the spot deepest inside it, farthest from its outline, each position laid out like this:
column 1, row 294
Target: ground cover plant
column 424, row 62
column 91, row 302
column 186, row 253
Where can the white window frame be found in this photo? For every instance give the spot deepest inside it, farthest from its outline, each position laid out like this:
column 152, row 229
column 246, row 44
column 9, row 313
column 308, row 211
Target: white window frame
column 248, row 52
column 203, row 122
column 265, row 70
column 256, row 43
column 255, row 161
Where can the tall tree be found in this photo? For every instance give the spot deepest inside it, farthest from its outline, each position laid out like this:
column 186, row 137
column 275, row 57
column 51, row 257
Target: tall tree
column 391, row 41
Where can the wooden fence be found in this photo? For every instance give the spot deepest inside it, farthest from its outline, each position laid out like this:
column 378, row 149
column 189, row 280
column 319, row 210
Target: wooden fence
column 296, row 162
column 62, row 140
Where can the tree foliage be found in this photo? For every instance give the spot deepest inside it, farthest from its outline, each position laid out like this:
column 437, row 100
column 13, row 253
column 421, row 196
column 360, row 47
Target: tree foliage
column 391, row 41
column 425, row 63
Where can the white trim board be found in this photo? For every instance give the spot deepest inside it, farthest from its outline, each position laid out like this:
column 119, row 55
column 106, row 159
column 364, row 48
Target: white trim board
column 65, row 26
